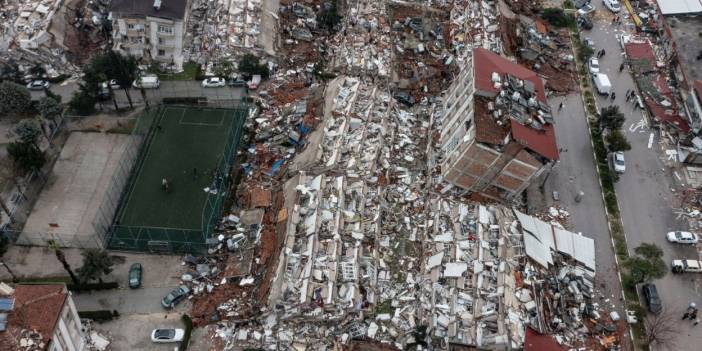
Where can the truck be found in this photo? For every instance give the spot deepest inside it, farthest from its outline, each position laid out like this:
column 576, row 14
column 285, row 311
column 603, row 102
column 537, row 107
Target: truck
column 604, row 87
column 254, row 82
column 687, row 266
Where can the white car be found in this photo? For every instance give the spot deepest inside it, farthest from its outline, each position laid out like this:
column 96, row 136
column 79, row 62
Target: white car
column 687, row 266
column 38, row 85
column 619, row 163
column 586, row 10
column 682, row 238
column 214, row 82
column 167, row 335
column 593, row 65
column 113, row 84
column 612, row 5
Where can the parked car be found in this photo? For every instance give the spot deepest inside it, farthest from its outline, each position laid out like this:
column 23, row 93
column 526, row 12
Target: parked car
column 135, row 275
column 584, row 22
column 653, row 301
column 113, row 84
column 236, row 82
column 680, row 237
column 587, row 9
column 589, row 42
column 214, row 82
column 618, row 162
column 38, row 84
column 612, row 5
column 147, row 82
column 103, row 91
column 167, row 335
column 593, row 65
column 686, row 266
column 254, row 82
column 175, row 296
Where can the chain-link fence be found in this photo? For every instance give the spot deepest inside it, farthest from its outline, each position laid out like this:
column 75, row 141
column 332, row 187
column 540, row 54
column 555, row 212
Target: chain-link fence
column 160, row 239
column 170, row 90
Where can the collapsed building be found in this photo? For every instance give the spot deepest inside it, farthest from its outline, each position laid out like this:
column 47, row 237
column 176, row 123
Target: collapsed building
column 497, row 134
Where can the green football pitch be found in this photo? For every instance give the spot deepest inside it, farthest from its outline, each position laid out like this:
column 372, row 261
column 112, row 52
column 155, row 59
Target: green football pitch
column 186, row 148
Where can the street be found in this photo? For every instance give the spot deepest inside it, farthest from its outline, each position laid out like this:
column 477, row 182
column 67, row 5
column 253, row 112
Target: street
column 167, row 89
column 646, row 191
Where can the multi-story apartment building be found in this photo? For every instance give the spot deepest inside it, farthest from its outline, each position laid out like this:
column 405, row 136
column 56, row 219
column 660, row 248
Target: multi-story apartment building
column 152, row 30
column 497, row 132
column 41, row 314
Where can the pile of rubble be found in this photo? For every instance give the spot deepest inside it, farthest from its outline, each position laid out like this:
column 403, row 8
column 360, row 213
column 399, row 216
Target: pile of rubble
column 57, row 35
column 359, row 247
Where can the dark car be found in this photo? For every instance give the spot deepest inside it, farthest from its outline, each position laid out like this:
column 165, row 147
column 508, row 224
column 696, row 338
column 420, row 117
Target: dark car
column 653, row 301
column 236, row 83
column 135, row 275
column 174, row 297
column 584, row 22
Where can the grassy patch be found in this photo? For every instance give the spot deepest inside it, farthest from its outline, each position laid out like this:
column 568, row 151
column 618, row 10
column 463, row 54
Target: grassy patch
column 190, row 71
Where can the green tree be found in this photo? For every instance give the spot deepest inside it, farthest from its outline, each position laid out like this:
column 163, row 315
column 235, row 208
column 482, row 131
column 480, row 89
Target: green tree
column 27, row 130
column 82, row 103
column 250, row 64
column 224, row 69
column 14, row 98
column 49, row 108
column 26, row 156
column 616, row 141
column 96, row 263
column 9, row 71
column 647, row 264
column 557, row 17
column 329, row 17
column 611, row 117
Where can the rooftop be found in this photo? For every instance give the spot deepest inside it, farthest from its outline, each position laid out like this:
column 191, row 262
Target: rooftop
column 174, row 9
column 36, row 307
column 514, row 100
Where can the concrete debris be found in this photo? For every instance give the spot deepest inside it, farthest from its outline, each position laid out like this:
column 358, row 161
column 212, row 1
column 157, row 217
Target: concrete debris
column 337, row 238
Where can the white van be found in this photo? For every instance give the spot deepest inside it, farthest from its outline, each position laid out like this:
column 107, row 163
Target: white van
column 147, row 82
column 604, row 87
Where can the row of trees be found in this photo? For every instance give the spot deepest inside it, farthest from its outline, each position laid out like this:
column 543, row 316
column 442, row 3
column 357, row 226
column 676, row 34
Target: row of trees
column 612, row 119
column 96, row 264
column 102, row 69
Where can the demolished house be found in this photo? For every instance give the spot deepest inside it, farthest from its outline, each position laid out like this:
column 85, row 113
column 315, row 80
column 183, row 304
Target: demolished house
column 498, row 133
column 652, row 79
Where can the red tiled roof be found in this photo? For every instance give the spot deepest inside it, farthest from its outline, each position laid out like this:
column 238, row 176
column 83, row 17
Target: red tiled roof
column 538, row 342
column 37, row 307
column 674, row 120
column 542, row 142
column 486, row 62
column 637, row 51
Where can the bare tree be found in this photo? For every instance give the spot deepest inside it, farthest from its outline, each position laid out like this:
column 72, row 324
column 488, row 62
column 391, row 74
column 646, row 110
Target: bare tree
column 661, row 329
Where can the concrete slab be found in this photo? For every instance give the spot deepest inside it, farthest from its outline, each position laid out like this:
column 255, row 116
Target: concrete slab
column 76, row 187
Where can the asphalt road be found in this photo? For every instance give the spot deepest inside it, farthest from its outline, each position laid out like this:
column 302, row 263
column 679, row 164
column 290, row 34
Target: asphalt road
column 646, row 191
column 125, row 301
column 167, row 89
column 574, row 172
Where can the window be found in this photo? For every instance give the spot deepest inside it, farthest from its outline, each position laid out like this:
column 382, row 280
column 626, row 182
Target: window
column 160, row 41
column 130, row 26
column 162, row 53
column 165, row 29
